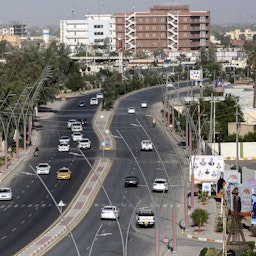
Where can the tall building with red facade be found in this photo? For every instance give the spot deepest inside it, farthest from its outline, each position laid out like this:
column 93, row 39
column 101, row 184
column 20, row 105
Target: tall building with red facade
column 173, row 28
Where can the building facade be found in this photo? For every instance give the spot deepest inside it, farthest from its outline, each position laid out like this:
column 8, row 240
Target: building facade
column 94, row 30
column 173, row 28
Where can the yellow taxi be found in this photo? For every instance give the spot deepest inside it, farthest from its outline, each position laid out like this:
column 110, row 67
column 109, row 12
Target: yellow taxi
column 64, row 173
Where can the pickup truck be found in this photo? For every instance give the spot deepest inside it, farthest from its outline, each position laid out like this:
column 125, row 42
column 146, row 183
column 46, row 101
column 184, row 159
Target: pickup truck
column 145, row 218
column 146, row 145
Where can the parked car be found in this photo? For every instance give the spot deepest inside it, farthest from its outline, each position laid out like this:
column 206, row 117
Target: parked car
column 64, row 139
column 131, row 181
column 160, row 185
column 63, row 147
column 5, row 194
column 84, row 143
column 69, row 122
column 76, row 136
column 109, row 212
column 43, row 168
column 131, row 110
column 64, row 173
column 146, row 145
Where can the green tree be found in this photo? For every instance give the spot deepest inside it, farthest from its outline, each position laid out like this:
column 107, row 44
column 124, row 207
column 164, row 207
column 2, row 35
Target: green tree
column 252, row 64
column 199, row 217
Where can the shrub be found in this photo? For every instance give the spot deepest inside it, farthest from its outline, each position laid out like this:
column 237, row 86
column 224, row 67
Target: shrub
column 199, row 217
column 203, row 251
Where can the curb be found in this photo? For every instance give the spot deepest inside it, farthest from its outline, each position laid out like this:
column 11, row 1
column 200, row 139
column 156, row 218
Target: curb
column 202, row 239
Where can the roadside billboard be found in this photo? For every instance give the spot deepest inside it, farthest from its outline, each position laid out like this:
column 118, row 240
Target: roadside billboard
column 206, row 167
column 240, row 193
column 196, row 75
column 252, row 185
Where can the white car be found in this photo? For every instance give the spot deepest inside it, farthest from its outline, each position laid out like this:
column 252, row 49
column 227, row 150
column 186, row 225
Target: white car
column 5, row 194
column 76, row 136
column 64, row 139
column 99, row 95
column 63, row 147
column 170, row 85
column 131, row 110
column 43, row 168
column 109, row 212
column 144, row 104
column 76, row 127
column 84, row 143
column 94, row 101
column 160, row 185
column 69, row 122
column 146, row 145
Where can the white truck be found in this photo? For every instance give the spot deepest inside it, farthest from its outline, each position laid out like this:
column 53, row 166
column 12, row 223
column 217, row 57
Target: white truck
column 145, row 217
column 146, row 145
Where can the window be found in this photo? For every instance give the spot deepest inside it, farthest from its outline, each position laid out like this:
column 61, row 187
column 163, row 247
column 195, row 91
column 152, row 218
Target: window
column 147, row 19
column 147, row 27
column 162, row 19
column 185, row 19
column 154, row 35
column 154, row 19
column 140, row 28
column 185, row 27
column 153, row 27
column 140, row 19
column 98, row 33
column 98, row 26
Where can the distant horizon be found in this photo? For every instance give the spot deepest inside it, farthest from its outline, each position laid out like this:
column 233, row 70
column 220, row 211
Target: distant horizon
column 49, row 13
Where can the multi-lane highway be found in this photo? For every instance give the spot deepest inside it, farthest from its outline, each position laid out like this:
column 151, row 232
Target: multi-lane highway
column 94, row 236
column 32, row 210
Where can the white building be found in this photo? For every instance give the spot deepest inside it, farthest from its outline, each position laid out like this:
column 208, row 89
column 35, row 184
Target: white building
column 94, row 30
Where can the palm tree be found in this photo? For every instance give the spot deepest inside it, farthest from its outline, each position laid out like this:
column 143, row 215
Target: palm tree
column 252, row 64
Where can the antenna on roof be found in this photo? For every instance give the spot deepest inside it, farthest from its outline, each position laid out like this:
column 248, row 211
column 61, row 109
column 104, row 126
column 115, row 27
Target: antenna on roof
column 73, row 13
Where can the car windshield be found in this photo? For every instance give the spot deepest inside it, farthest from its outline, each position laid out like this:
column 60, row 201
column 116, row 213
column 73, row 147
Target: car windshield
column 63, row 170
column 4, row 190
column 43, row 165
column 160, row 181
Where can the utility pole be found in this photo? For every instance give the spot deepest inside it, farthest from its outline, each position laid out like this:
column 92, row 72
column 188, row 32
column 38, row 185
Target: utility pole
column 237, row 141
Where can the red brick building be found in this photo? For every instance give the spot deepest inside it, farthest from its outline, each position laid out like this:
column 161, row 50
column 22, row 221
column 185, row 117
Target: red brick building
column 173, row 28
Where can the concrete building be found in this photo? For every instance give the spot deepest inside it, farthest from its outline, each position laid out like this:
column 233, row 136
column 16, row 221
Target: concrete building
column 237, row 34
column 94, row 30
column 173, row 28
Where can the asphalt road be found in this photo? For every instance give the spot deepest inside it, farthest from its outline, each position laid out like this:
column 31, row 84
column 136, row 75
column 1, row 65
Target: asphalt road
column 32, row 210
column 97, row 237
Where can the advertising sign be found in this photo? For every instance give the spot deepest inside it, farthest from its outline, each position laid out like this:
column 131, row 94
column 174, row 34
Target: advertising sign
column 241, row 195
column 252, row 185
column 196, row 75
column 206, row 167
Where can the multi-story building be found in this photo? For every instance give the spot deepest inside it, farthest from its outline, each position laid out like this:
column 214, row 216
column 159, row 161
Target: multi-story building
column 247, row 34
column 94, row 30
column 173, row 28
column 16, row 28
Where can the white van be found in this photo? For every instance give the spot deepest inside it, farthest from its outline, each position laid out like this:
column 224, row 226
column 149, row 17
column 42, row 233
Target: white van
column 94, row 101
column 76, row 127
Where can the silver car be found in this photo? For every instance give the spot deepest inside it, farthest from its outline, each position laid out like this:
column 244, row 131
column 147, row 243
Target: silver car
column 109, row 212
column 43, row 168
column 5, row 194
column 160, row 185
column 64, row 139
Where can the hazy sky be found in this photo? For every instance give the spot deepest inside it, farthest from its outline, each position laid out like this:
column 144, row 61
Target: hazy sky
column 50, row 12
